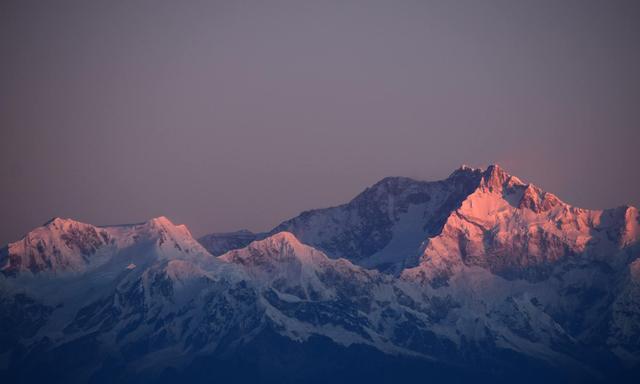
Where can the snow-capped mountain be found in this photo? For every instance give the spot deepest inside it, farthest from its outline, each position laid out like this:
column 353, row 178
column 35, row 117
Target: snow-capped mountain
column 384, row 226
column 142, row 283
column 480, row 276
column 516, row 230
column 481, row 217
column 63, row 246
column 308, row 293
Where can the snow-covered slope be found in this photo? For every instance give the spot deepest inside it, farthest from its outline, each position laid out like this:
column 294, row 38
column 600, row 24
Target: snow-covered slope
column 517, row 230
column 64, row 246
column 487, row 225
column 149, row 283
column 480, row 270
column 481, row 217
column 384, row 226
column 306, row 293
column 167, row 307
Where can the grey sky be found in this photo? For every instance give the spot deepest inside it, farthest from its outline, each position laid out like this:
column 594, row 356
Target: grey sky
column 239, row 114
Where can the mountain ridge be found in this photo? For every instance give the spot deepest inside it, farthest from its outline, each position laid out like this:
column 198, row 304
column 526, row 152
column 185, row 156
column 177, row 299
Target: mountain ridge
column 362, row 229
column 478, row 272
column 65, row 245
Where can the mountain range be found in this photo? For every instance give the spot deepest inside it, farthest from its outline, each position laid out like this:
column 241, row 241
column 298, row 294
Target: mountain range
column 480, row 277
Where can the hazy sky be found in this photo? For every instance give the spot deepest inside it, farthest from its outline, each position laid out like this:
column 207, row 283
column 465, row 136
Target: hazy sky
column 239, row 114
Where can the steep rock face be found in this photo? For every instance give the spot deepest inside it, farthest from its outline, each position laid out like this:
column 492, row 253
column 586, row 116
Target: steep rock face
column 486, row 218
column 566, row 264
column 385, row 226
column 518, row 231
column 176, row 308
column 501, row 275
column 575, row 262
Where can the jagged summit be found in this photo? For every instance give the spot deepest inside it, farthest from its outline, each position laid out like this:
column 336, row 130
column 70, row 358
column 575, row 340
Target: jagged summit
column 480, row 268
column 59, row 221
column 59, row 244
column 282, row 257
column 393, row 181
column 62, row 223
column 293, row 267
column 286, row 238
column 64, row 245
column 161, row 220
column 279, row 246
column 390, row 225
column 389, row 186
column 385, row 225
column 163, row 223
column 521, row 195
column 492, row 178
column 465, row 171
column 537, row 200
column 465, row 167
column 495, row 178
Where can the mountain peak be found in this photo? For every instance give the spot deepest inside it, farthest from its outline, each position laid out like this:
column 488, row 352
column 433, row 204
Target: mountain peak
column 286, row 237
column 163, row 222
column 163, row 225
column 389, row 186
column 160, row 220
column 55, row 219
column 280, row 246
column 393, row 182
column 279, row 240
column 59, row 244
column 537, row 200
column 495, row 178
column 60, row 222
column 62, row 245
column 465, row 172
